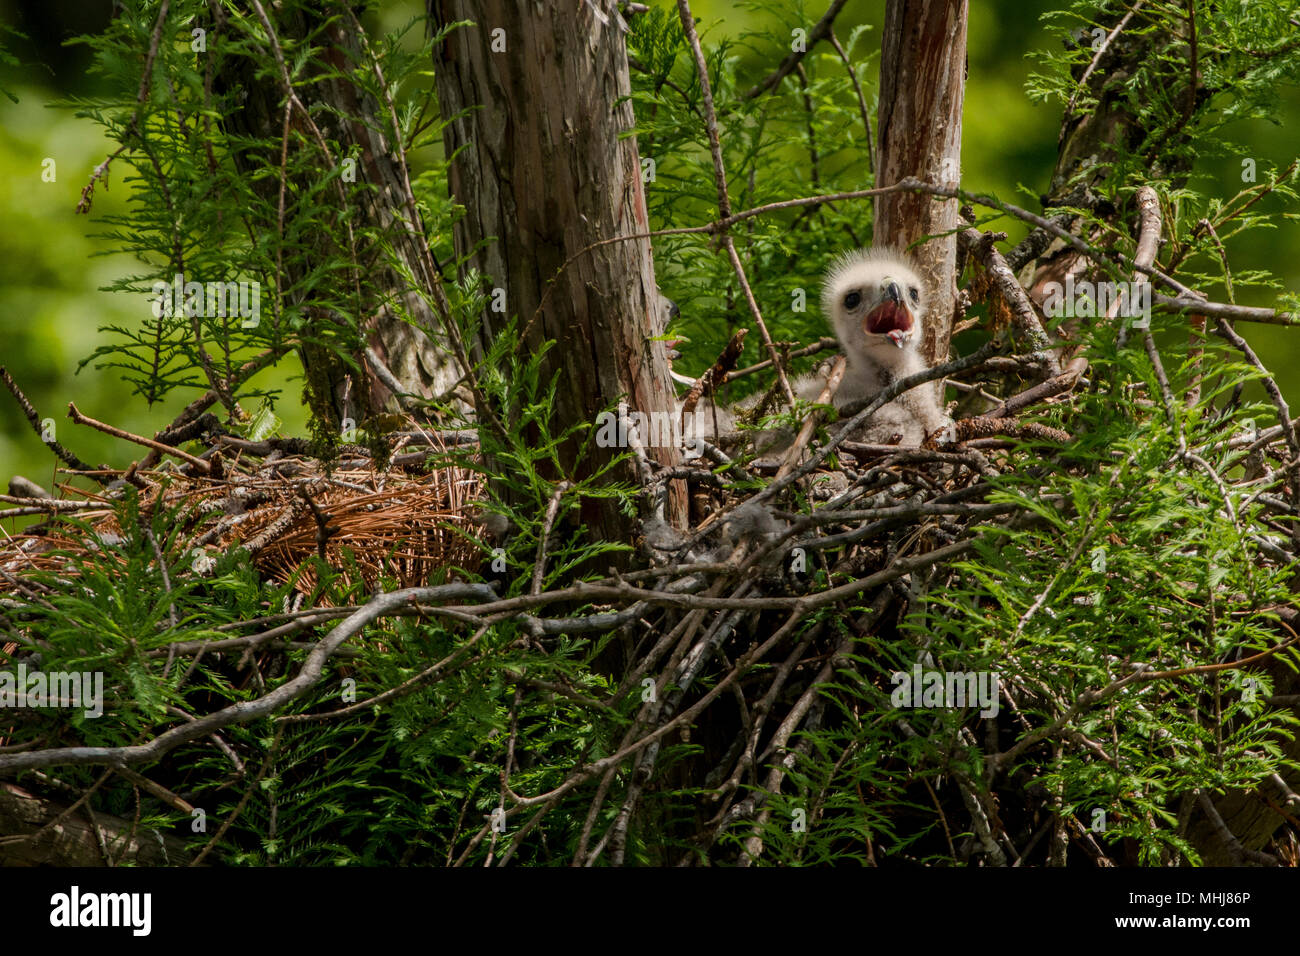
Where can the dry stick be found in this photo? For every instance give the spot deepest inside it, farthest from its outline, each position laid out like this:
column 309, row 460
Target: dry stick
column 544, row 542
column 205, row 401
column 761, row 711
column 324, row 530
column 65, row 456
column 684, row 673
column 167, row 585
column 81, row 419
column 821, row 31
column 320, row 615
column 820, row 345
column 284, row 182
column 720, row 182
column 979, row 245
column 1034, row 244
column 1226, row 215
column 40, row 506
column 862, row 100
column 1030, row 396
column 719, row 372
column 385, row 375
column 1148, row 244
column 1197, row 323
column 673, row 637
column 506, row 767
column 244, row 711
column 999, row 761
column 146, row 79
column 157, row 789
column 986, row 426
column 1150, row 224
column 1101, row 50
column 754, row 845
column 810, row 424
column 1283, row 410
column 243, row 800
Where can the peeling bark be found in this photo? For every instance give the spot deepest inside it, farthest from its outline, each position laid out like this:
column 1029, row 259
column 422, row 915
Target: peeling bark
column 922, row 89
column 545, row 167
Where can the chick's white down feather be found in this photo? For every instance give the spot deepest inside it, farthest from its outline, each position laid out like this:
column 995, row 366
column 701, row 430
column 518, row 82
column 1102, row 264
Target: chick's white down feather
column 875, row 302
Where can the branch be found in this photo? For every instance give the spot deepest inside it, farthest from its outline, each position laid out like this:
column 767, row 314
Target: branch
column 821, row 31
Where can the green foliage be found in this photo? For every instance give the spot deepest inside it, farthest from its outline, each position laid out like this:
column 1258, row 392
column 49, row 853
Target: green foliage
column 1137, row 559
column 799, row 140
column 217, row 201
column 7, row 58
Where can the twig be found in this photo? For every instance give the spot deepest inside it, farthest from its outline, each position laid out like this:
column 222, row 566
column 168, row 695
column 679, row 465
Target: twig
column 979, row 245
column 810, row 424
column 324, row 530
column 820, row 31
column 1030, row 396
column 133, row 128
column 717, row 373
column 868, row 148
column 1101, row 50
column 720, row 182
column 544, row 540
column 65, row 456
column 80, row 419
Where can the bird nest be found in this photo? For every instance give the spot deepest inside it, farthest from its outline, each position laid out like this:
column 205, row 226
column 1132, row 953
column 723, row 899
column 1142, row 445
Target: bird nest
column 393, row 526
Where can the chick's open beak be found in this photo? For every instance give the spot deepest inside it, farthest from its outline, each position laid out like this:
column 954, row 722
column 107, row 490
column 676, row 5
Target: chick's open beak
column 891, row 318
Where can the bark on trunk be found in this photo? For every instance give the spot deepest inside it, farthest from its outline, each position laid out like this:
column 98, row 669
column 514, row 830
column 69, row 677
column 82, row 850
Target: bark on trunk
column 59, row 838
column 922, row 89
column 544, row 168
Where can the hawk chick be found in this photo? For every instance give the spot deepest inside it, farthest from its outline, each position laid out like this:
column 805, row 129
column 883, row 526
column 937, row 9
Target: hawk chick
column 875, row 303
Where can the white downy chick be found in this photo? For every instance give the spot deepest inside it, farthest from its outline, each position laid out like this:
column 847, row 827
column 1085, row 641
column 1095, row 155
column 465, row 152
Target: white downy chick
column 876, row 304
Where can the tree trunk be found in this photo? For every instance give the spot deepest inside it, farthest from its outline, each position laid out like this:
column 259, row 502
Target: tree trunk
column 58, row 838
column 416, row 352
column 538, row 97
column 922, row 88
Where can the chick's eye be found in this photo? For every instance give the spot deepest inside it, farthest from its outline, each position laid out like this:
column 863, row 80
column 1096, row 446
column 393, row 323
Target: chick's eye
column 914, row 294
column 853, row 300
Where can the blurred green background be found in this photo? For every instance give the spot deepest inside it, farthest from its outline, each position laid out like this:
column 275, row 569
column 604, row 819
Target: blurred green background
column 52, row 264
